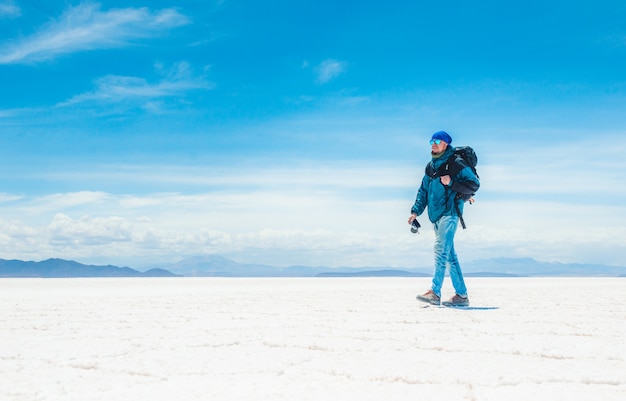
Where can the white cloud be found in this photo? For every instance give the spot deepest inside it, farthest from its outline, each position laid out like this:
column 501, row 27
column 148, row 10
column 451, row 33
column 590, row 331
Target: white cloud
column 66, row 201
column 87, row 231
column 114, row 88
column 566, row 232
column 8, row 9
column 329, row 70
column 4, row 197
column 85, row 27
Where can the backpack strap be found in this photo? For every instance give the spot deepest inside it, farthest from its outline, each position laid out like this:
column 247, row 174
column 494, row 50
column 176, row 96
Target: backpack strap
column 430, row 170
column 451, row 167
column 458, row 212
column 455, row 199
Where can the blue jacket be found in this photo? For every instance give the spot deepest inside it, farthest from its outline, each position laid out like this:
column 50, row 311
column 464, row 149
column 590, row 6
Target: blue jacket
column 440, row 198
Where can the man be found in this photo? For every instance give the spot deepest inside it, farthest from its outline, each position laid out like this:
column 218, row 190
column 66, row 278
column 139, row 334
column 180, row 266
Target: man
column 438, row 192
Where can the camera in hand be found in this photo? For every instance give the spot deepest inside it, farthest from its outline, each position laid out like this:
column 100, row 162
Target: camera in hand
column 415, row 225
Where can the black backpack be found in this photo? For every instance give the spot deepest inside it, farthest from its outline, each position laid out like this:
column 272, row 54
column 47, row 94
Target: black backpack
column 463, row 156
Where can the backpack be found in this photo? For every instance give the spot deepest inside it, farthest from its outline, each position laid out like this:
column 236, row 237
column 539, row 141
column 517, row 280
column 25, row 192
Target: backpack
column 463, row 156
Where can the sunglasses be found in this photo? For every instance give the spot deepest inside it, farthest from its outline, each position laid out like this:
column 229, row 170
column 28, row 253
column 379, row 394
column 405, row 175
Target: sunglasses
column 435, row 142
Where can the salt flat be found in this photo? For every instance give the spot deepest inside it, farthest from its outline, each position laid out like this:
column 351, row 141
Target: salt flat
column 310, row 339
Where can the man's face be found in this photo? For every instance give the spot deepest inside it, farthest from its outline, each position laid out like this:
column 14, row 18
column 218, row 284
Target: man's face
column 437, row 146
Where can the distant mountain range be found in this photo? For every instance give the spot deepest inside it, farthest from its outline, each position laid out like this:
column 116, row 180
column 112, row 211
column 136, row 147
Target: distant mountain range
column 529, row 267
column 218, row 266
column 66, row 268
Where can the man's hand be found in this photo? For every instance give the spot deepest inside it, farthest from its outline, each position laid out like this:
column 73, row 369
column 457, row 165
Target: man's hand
column 411, row 218
column 445, row 180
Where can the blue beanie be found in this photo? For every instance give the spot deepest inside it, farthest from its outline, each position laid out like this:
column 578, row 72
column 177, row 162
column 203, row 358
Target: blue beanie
column 443, row 135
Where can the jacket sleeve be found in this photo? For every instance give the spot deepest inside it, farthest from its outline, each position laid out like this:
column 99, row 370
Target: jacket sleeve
column 465, row 182
column 421, row 200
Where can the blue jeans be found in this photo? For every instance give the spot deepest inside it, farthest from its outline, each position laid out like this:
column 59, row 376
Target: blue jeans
column 445, row 228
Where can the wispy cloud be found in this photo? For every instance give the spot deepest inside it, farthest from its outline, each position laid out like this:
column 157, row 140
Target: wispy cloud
column 329, row 70
column 115, row 88
column 8, row 9
column 86, row 27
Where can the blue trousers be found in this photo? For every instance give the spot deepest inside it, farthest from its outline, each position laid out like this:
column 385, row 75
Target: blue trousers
column 445, row 228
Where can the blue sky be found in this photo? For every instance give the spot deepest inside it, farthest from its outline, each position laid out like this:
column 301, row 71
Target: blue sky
column 287, row 132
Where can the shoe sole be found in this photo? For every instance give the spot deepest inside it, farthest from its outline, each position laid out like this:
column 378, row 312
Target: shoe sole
column 427, row 300
column 455, row 305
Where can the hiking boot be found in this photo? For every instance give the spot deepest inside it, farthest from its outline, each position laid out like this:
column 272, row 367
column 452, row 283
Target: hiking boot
column 457, row 300
column 429, row 297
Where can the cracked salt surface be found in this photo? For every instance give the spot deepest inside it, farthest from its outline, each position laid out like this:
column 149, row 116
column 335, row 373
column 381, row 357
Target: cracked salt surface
column 310, row 339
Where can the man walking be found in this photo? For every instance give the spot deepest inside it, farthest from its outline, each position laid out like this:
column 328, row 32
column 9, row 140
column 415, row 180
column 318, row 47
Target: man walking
column 438, row 192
